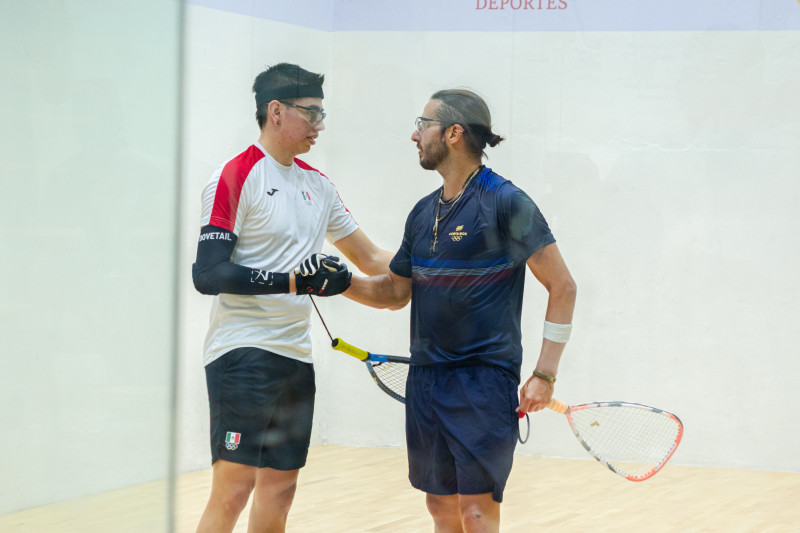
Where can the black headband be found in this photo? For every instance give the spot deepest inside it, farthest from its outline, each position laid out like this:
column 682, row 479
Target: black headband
column 293, row 91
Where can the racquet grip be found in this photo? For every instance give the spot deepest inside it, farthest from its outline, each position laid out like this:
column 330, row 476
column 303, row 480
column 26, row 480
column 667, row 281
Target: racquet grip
column 558, row 406
column 555, row 405
column 349, row 349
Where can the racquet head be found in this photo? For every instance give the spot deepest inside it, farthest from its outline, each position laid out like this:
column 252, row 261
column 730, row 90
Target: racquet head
column 632, row 440
column 390, row 373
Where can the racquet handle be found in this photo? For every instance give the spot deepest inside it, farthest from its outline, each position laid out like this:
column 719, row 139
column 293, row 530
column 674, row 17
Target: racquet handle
column 555, row 405
column 349, row 349
column 558, row 406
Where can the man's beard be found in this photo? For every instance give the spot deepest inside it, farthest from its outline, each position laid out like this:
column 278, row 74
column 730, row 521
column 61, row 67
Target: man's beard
column 433, row 155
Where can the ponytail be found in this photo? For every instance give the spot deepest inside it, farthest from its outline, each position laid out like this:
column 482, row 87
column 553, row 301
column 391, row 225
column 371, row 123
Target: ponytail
column 493, row 139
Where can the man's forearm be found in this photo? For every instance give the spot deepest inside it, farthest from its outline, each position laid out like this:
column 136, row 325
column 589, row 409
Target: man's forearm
column 550, row 357
column 560, row 307
column 377, row 264
column 378, row 291
column 363, row 253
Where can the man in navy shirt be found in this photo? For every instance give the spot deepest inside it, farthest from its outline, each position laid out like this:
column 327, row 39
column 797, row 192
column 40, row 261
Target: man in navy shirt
column 462, row 266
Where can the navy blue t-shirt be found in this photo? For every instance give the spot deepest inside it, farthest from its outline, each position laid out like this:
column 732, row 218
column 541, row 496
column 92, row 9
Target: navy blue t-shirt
column 466, row 295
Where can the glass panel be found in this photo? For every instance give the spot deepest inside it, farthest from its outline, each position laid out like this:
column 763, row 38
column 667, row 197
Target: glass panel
column 89, row 151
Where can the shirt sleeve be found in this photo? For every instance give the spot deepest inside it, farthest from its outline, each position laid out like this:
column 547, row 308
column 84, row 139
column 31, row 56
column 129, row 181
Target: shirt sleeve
column 224, row 200
column 340, row 223
column 522, row 223
column 401, row 262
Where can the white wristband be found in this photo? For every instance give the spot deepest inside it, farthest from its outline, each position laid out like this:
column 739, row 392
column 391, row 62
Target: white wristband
column 556, row 332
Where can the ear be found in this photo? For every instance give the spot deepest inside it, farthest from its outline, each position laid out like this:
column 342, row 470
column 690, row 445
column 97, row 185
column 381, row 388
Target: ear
column 274, row 109
column 454, row 133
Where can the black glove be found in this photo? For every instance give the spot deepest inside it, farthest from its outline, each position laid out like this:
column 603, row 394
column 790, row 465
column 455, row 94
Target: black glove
column 332, row 279
column 311, row 264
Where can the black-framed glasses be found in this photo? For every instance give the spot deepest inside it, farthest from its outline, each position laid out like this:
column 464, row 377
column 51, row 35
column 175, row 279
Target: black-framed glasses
column 423, row 123
column 314, row 115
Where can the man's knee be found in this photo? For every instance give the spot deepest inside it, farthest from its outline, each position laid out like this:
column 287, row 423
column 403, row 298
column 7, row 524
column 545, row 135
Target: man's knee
column 232, row 485
column 472, row 514
column 479, row 512
column 284, row 495
column 277, row 487
column 235, row 496
column 443, row 507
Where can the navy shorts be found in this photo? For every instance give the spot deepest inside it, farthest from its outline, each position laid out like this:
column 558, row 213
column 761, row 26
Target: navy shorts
column 262, row 407
column 461, row 429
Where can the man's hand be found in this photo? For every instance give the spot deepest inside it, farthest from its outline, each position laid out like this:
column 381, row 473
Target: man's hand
column 311, row 264
column 330, row 279
column 535, row 395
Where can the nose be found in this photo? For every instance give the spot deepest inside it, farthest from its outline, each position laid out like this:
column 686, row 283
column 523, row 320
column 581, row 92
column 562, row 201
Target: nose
column 415, row 136
column 319, row 126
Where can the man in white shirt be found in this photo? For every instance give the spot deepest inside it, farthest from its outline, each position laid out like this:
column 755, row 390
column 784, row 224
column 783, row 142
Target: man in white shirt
column 264, row 212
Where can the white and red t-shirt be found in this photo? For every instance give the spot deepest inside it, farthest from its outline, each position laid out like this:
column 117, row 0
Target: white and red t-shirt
column 280, row 216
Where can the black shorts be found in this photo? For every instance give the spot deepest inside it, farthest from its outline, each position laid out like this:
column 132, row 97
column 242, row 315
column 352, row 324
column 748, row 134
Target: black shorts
column 461, row 429
column 262, row 407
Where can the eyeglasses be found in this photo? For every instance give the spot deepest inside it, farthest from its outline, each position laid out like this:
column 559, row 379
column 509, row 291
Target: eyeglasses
column 314, row 115
column 423, row 123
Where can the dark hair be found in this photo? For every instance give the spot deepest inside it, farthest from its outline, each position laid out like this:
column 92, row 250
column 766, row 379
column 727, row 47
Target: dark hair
column 281, row 78
column 460, row 106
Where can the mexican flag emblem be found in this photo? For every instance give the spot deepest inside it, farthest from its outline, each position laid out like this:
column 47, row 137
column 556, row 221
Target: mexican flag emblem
column 232, row 440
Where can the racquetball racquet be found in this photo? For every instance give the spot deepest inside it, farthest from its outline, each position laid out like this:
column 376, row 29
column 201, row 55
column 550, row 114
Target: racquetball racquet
column 632, row 440
column 388, row 371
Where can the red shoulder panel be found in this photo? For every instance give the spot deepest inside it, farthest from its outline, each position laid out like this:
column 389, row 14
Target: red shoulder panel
column 229, row 188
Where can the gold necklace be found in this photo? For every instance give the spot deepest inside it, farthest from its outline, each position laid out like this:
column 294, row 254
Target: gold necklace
column 452, row 203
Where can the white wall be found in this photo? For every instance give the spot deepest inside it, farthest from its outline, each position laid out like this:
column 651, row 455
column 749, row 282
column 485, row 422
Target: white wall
column 665, row 162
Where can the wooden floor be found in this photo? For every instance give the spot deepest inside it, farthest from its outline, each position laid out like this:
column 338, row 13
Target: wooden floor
column 345, row 489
